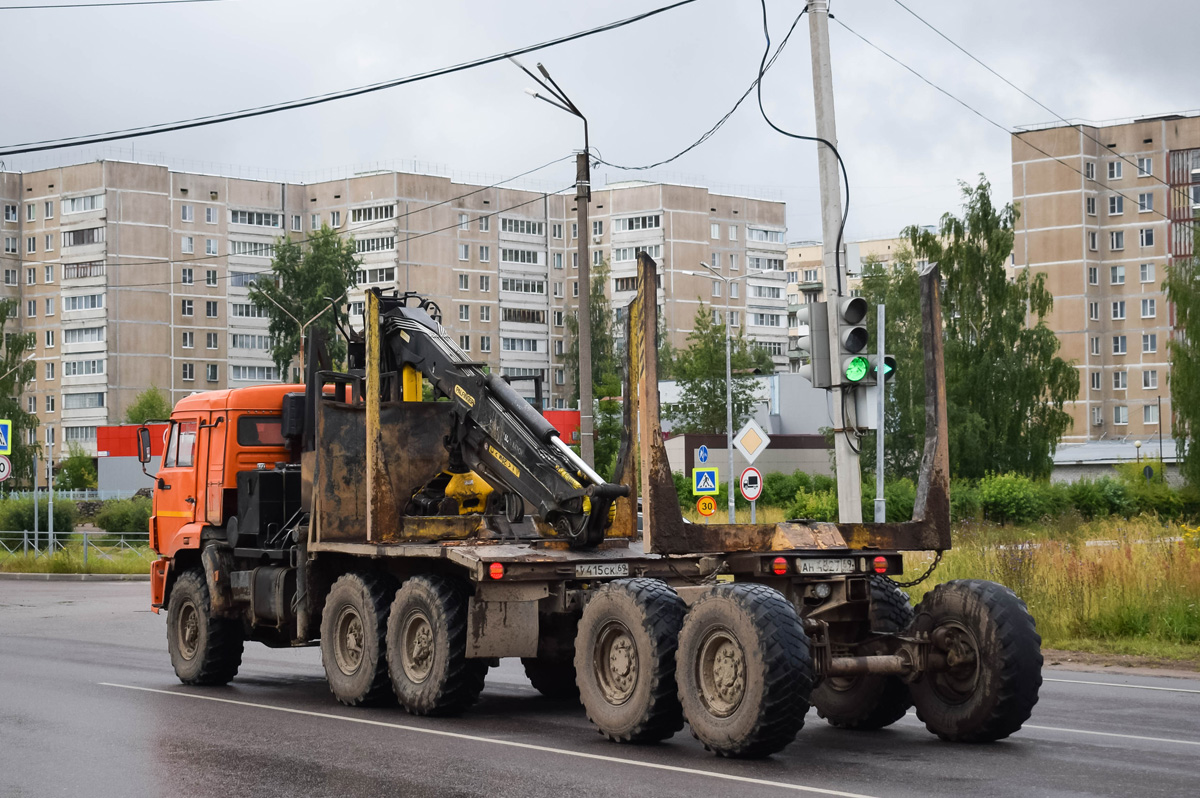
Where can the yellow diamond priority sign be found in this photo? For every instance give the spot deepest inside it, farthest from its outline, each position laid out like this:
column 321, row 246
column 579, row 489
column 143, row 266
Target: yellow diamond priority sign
column 751, row 440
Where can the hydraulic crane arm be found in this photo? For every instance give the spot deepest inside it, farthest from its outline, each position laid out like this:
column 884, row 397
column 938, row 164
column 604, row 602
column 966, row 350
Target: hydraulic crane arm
column 496, row 432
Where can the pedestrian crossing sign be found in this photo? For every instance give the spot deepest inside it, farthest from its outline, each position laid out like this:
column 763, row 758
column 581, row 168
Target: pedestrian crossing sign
column 5, row 436
column 705, row 482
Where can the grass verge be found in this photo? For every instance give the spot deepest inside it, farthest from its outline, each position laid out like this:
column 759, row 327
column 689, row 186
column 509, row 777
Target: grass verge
column 70, row 561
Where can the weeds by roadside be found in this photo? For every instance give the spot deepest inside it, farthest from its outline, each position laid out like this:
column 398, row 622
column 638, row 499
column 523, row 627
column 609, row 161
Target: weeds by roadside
column 70, row 561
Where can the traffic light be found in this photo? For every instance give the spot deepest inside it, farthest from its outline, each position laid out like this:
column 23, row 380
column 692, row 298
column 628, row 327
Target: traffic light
column 889, row 368
column 853, row 363
column 815, row 345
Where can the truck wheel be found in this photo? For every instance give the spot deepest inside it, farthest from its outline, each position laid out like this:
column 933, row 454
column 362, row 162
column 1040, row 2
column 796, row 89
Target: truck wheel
column 745, row 670
column 353, row 626
column 426, row 648
column 993, row 661
column 625, row 660
column 552, row 678
column 204, row 650
column 870, row 702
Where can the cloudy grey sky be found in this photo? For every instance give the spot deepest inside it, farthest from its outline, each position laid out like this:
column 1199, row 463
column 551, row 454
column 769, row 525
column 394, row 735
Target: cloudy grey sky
column 649, row 89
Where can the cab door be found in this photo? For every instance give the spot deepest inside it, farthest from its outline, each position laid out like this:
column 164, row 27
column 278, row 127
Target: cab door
column 175, row 494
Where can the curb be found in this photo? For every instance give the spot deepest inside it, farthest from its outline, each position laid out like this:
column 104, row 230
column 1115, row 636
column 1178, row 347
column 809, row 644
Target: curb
column 77, row 577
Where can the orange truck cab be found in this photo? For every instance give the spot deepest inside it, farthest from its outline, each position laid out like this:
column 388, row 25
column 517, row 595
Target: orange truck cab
column 212, row 437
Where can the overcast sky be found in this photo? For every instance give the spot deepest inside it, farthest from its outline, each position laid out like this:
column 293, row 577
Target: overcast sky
column 649, row 89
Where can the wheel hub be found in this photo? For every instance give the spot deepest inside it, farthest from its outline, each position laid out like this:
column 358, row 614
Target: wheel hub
column 189, row 630
column 418, row 647
column 959, row 680
column 616, row 662
column 349, row 641
column 722, row 673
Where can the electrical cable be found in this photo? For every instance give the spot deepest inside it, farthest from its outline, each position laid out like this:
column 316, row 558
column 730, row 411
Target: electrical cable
column 1024, row 93
column 1184, row 222
column 106, row 5
column 837, row 251
column 720, row 122
column 262, row 110
column 349, row 227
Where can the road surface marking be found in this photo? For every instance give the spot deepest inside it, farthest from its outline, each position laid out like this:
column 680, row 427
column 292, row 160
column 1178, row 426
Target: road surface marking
column 494, row 741
column 1118, row 684
column 913, row 715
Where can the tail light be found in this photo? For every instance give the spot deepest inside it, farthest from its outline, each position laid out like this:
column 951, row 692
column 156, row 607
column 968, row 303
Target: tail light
column 880, row 564
column 779, row 566
column 496, row 570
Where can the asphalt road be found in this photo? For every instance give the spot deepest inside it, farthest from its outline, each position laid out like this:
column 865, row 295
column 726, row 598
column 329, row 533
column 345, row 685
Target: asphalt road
column 89, row 706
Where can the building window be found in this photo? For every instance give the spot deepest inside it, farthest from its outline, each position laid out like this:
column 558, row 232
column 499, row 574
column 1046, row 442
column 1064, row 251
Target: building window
column 558, row 347
column 187, row 246
column 558, row 260
column 10, row 245
column 1147, row 272
column 210, row 278
column 210, row 310
column 186, row 214
column 314, row 221
column 50, row 306
column 1089, row 170
column 1146, row 236
column 78, row 238
column 189, row 372
column 522, row 286
column 735, row 318
column 1095, row 346
column 464, row 251
column 556, row 231
column 187, row 277
column 464, row 222
column 31, row 244
column 523, row 227
column 597, row 257
column 31, row 309
column 210, row 340
column 1150, row 379
column 49, row 339
column 49, row 371
column 522, row 345
column 1094, row 311
column 575, row 230
column 716, row 287
column 1114, row 170
column 1149, row 342
column 83, row 302
column 464, row 282
column 1120, row 412
column 558, row 318
column 1116, row 275
column 598, row 227
column 49, row 247
column 464, row 343
column 641, row 223
column 296, row 227
column 485, row 313
column 210, row 372
column 1095, row 380
column 1116, row 205
column 1145, row 202
column 186, row 307
column 733, row 290
column 714, row 231
column 1145, row 167
column 574, row 260
column 1118, row 310
column 1148, row 308
column 254, row 373
column 189, row 340
column 210, row 246
column 10, row 276
column 210, row 215
column 30, row 276
column 1118, row 345
column 10, row 213
column 485, row 283
column 464, row 312
column 485, row 254
column 30, row 212
column 574, row 288
column 558, row 290
column 82, row 204
column 1090, row 204
column 49, row 404
column 1149, row 414
column 1116, row 240
column 485, row 343
column 485, row 224
column 1120, row 380
column 335, row 219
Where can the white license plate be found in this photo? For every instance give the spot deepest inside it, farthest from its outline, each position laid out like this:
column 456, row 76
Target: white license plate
column 602, row 569
column 827, row 565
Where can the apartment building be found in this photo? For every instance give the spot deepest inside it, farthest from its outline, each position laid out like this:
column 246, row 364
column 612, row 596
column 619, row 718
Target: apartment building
column 130, row 275
column 1104, row 209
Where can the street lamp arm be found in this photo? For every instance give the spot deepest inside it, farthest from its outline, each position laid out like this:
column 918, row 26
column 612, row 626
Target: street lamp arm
column 22, row 363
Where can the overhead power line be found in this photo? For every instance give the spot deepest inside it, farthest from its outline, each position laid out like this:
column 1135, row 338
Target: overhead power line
column 263, row 110
column 106, row 5
column 1026, row 94
column 999, row 126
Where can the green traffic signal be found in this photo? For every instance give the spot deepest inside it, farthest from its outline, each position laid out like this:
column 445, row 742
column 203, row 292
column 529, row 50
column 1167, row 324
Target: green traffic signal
column 857, row 368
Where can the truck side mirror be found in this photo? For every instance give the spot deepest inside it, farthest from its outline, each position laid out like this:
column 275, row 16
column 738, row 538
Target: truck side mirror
column 143, row 441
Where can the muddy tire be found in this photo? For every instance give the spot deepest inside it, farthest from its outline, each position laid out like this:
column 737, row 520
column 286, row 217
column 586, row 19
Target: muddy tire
column 353, row 626
column 745, row 670
column 553, row 679
column 989, row 642
column 204, row 650
column 870, row 702
column 625, row 660
column 426, row 648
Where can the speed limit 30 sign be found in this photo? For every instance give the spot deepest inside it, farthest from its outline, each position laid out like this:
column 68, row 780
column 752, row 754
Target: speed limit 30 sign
column 5, row 468
column 751, row 484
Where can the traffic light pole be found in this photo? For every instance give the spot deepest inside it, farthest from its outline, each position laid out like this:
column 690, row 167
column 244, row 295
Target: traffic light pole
column 881, row 381
column 849, row 476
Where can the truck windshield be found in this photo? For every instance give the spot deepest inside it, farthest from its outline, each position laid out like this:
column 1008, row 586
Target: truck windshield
column 260, row 431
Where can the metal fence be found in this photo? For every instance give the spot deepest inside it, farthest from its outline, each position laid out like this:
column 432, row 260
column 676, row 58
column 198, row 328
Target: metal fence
column 97, row 543
column 73, row 495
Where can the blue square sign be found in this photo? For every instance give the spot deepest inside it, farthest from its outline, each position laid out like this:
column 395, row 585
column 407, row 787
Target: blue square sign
column 5, row 436
column 705, row 482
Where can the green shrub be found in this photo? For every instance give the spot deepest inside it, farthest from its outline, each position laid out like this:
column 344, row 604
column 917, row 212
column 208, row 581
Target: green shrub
column 779, row 490
column 16, row 515
column 965, row 504
column 1099, row 498
column 818, row 505
column 125, row 515
column 1010, row 498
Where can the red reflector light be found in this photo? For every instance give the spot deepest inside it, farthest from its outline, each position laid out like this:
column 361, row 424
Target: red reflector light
column 880, row 564
column 496, row 570
column 779, row 566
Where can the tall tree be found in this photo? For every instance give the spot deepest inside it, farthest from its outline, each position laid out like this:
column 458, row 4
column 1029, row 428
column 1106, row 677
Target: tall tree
column 1183, row 290
column 16, row 371
column 77, row 471
column 149, row 404
column 700, row 372
column 307, row 274
column 1006, row 386
column 604, row 350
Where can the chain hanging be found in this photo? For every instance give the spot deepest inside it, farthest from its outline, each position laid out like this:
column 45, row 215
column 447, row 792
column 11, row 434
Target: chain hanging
column 923, row 576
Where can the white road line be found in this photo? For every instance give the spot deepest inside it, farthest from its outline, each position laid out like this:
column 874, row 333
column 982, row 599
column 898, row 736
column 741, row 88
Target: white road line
column 494, row 741
column 1118, row 684
column 913, row 716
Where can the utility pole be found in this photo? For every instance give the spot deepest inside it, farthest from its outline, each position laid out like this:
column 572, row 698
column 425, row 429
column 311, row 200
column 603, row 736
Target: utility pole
column 849, row 476
column 583, row 195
